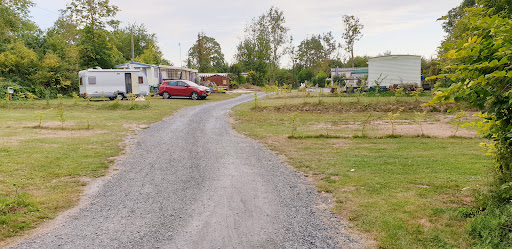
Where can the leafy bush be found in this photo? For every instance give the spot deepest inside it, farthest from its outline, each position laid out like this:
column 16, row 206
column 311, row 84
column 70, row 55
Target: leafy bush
column 18, row 89
column 233, row 84
column 479, row 65
column 321, row 77
column 493, row 227
column 305, row 75
column 242, row 80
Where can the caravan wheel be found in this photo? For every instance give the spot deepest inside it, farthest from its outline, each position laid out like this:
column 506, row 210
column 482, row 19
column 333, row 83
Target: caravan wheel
column 120, row 96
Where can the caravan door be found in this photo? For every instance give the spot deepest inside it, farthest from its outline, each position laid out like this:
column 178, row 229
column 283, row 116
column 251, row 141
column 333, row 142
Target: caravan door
column 128, row 82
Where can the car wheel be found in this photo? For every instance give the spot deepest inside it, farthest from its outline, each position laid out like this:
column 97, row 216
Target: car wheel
column 166, row 95
column 194, row 96
column 120, row 96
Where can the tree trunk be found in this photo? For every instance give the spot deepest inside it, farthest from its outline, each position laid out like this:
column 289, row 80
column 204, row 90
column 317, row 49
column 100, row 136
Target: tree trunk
column 352, row 54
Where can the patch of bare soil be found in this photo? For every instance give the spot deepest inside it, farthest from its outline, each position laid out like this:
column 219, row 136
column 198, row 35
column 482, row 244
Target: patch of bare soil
column 53, row 133
column 134, row 127
column 441, row 129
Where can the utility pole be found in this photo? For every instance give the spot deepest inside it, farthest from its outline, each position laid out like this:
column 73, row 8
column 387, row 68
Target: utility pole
column 133, row 47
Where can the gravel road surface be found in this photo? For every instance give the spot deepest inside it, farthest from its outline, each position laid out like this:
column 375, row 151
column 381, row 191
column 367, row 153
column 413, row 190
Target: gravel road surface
column 192, row 182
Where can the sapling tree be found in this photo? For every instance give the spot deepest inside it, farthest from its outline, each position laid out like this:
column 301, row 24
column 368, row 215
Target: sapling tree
column 59, row 96
column 47, row 96
column 419, row 118
column 399, row 93
column 294, row 122
column 60, row 114
column 458, row 121
column 364, row 125
column 40, row 116
column 392, row 117
column 75, row 98
column 378, row 82
column 255, row 100
column 417, row 93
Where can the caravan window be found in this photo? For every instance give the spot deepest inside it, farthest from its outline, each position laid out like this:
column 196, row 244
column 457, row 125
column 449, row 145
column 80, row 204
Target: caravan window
column 92, row 80
column 141, row 80
column 156, row 72
column 81, row 81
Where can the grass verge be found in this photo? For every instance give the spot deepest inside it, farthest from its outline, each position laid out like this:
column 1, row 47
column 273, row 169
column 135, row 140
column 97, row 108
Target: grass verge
column 405, row 190
column 51, row 149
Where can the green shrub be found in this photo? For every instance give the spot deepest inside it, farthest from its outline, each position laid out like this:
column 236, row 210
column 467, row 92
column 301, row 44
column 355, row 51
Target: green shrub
column 234, row 85
column 493, row 227
column 321, row 79
column 242, row 80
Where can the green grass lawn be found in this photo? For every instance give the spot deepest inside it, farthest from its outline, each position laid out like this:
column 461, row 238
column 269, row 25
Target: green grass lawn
column 403, row 192
column 43, row 169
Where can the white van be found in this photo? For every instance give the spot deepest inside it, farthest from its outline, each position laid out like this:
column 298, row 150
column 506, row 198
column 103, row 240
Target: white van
column 112, row 83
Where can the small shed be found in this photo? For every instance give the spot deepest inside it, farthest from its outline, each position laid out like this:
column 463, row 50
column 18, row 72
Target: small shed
column 394, row 69
column 219, row 80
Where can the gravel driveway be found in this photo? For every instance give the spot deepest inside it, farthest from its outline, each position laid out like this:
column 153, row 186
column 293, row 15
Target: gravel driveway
column 192, row 182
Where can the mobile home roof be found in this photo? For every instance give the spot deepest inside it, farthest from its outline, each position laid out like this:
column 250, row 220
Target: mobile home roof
column 112, row 70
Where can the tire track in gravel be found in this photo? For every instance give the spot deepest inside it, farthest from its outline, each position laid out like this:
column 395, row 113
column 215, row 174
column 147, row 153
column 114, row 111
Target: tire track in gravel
column 192, row 182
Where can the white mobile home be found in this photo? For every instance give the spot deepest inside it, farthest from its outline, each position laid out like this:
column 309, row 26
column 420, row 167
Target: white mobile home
column 394, row 69
column 151, row 72
column 112, row 83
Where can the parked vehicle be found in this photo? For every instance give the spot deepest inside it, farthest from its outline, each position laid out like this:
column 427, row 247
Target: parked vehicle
column 183, row 88
column 112, row 83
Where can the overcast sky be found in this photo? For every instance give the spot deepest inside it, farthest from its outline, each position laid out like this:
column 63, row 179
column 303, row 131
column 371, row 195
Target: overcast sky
column 399, row 26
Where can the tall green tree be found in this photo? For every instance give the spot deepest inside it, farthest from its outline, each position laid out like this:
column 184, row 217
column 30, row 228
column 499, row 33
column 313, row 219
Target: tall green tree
column 95, row 46
column 276, row 21
column 142, row 41
column 91, row 13
column 206, row 55
column 14, row 21
column 316, row 51
column 263, row 45
column 352, row 34
column 152, row 55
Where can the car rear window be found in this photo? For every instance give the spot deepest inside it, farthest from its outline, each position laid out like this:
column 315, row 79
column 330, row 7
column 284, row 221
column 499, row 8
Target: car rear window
column 172, row 83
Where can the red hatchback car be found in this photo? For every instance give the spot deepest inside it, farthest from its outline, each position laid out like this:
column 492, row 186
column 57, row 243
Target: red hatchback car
column 183, row 88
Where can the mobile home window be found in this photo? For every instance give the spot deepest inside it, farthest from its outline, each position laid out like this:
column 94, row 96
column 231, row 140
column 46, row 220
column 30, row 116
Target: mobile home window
column 141, row 80
column 92, row 80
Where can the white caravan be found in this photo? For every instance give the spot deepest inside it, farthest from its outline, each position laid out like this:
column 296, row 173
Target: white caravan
column 112, row 83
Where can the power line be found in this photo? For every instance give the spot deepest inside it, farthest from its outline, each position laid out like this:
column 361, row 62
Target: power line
column 47, row 10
